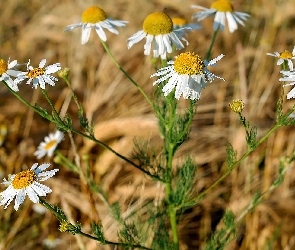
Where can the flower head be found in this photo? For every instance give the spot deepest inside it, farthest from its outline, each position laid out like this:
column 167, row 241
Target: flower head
column 49, row 144
column 290, row 77
column 284, row 56
column 40, row 75
column 26, row 183
column 222, row 9
column 6, row 70
column 95, row 17
column 188, row 74
column 237, row 106
column 158, row 29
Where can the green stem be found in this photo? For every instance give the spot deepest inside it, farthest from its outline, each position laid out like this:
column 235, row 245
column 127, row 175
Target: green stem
column 172, row 210
column 169, row 148
column 236, row 164
column 50, row 118
column 66, row 79
column 106, row 242
column 116, row 153
column 52, row 106
column 61, row 217
column 127, row 75
column 208, row 55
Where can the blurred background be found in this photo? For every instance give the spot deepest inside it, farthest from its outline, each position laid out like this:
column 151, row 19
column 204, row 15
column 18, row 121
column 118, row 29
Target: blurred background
column 35, row 30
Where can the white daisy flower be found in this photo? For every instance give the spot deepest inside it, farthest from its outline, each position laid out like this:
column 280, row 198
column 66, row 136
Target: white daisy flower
column 188, row 74
column 49, row 144
column 6, row 71
column 223, row 9
column 39, row 75
column 158, row 29
column 26, row 183
column 95, row 17
column 289, row 76
column 285, row 56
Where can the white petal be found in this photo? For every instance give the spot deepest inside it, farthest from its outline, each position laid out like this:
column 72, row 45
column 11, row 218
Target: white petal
column 42, row 63
column 85, row 34
column 19, row 199
column 135, row 38
column 100, row 33
column 73, row 26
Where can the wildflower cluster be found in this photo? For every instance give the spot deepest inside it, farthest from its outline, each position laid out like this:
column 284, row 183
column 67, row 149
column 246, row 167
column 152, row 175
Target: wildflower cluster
column 185, row 76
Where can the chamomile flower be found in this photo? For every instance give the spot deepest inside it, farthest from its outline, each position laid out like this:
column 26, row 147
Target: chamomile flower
column 158, row 29
column 223, row 9
column 26, row 183
column 188, row 74
column 95, row 17
column 49, row 144
column 6, row 71
column 284, row 56
column 289, row 76
column 40, row 75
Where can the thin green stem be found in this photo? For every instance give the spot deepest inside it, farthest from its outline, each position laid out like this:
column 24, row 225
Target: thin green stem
column 127, row 75
column 169, row 148
column 172, row 210
column 116, row 153
column 236, row 164
column 50, row 118
column 61, row 217
column 62, row 160
column 106, row 242
column 52, row 106
column 66, row 79
column 208, row 55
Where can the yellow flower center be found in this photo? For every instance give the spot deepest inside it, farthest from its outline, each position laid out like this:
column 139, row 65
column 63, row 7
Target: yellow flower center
column 237, row 106
column 3, row 66
column 286, row 55
column 50, row 144
column 64, row 226
column 35, row 72
column 189, row 63
column 179, row 21
column 93, row 14
column 222, row 6
column 158, row 23
column 24, row 179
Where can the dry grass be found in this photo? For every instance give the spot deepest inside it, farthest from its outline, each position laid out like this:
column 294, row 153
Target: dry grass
column 120, row 114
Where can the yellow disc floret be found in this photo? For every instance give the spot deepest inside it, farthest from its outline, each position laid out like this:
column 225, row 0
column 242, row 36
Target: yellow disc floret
column 179, row 21
column 24, row 179
column 3, row 66
column 65, row 226
column 158, row 23
column 93, row 14
column 189, row 63
column 50, row 144
column 237, row 106
column 222, row 6
column 35, row 72
column 286, row 55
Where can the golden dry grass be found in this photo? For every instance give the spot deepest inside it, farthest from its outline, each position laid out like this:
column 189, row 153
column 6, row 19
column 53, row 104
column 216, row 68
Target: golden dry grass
column 35, row 30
